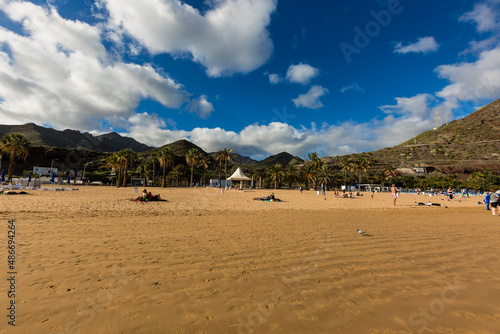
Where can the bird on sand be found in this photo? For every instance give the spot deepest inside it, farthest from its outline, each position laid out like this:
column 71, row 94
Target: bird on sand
column 360, row 232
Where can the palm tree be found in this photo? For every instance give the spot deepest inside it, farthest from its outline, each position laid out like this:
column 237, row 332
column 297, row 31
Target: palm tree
column 178, row 172
column 192, row 158
column 145, row 167
column 128, row 156
column 260, row 173
column 276, row 173
column 15, row 144
column 315, row 161
column 307, row 174
column 219, row 157
column 166, row 159
column 325, row 175
column 226, row 154
column 290, row 175
column 223, row 156
column 204, row 162
column 345, row 165
column 116, row 161
column 359, row 166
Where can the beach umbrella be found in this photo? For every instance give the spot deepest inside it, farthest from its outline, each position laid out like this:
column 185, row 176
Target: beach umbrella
column 29, row 177
column 2, row 178
column 52, row 177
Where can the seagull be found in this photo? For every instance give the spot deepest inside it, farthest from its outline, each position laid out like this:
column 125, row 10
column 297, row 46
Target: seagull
column 360, row 232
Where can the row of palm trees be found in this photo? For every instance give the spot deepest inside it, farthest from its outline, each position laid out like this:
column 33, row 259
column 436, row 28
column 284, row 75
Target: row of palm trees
column 313, row 170
column 316, row 171
column 121, row 161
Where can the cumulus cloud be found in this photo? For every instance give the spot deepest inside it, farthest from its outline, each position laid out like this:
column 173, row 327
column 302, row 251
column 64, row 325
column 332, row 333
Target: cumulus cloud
column 417, row 113
column 301, row 73
column 423, row 45
column 352, row 87
column 274, row 79
column 311, row 98
column 58, row 72
column 200, row 107
column 485, row 15
column 472, row 81
column 231, row 37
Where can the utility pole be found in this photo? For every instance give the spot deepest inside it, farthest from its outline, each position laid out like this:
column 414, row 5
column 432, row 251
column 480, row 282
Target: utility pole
column 437, row 114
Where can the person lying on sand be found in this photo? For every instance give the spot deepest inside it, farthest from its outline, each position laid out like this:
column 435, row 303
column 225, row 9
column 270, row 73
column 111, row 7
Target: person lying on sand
column 14, row 193
column 269, row 198
column 429, row 204
column 148, row 197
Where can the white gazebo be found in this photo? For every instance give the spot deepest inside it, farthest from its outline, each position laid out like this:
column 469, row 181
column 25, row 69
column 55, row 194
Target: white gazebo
column 239, row 176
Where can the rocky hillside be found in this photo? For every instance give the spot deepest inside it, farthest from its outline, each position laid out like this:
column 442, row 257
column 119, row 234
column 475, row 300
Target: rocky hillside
column 461, row 146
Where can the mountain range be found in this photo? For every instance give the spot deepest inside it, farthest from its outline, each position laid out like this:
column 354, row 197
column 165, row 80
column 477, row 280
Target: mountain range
column 460, row 146
column 73, row 139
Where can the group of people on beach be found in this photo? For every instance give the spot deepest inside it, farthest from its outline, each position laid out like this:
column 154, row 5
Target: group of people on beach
column 148, row 197
column 491, row 199
column 344, row 194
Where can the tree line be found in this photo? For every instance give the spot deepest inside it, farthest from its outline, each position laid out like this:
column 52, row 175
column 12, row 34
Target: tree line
column 197, row 168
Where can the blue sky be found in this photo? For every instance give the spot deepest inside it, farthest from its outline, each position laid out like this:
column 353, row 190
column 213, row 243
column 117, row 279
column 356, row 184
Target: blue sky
column 258, row 76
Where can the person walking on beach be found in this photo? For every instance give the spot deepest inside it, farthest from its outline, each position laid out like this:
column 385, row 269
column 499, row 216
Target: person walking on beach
column 450, row 194
column 486, row 200
column 394, row 194
column 494, row 201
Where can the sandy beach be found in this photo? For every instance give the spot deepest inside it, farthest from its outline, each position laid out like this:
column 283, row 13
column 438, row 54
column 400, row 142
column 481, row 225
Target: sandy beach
column 92, row 261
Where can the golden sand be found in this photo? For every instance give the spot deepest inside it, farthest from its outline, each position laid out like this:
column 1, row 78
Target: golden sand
column 91, row 261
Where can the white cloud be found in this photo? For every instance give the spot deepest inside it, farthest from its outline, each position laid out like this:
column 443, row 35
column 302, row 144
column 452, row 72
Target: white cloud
column 408, row 116
column 423, row 45
column 201, row 107
column 59, row 73
column 311, row 98
column 352, row 87
column 411, row 116
column 274, row 79
column 229, row 38
column 302, row 73
column 472, row 81
column 485, row 15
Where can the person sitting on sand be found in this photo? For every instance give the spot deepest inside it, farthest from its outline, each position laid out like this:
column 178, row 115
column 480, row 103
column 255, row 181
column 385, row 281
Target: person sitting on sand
column 143, row 198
